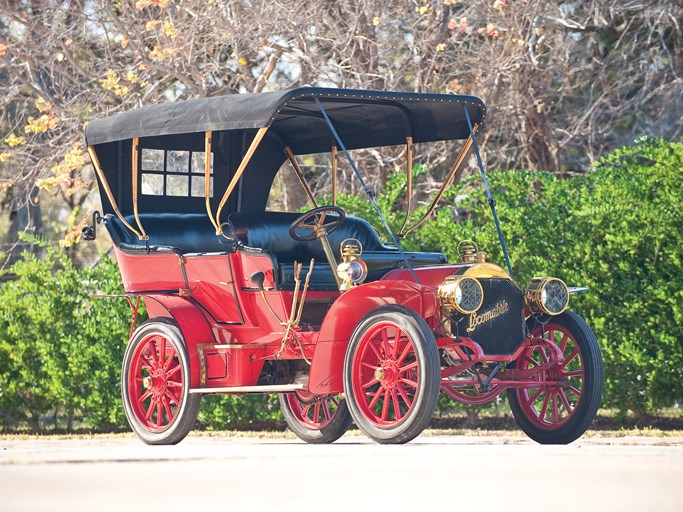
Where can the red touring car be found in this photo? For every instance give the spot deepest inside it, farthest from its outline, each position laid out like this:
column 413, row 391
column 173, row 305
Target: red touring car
column 316, row 307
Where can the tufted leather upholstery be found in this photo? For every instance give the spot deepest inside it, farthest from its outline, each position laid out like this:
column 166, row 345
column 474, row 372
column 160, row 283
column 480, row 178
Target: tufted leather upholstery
column 183, row 233
column 269, row 231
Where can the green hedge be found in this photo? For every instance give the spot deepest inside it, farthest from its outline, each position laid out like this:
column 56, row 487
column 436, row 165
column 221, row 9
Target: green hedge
column 618, row 231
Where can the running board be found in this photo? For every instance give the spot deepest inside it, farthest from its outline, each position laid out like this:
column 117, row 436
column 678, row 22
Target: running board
column 280, row 388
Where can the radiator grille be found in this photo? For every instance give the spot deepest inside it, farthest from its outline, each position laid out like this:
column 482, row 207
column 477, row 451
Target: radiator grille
column 498, row 325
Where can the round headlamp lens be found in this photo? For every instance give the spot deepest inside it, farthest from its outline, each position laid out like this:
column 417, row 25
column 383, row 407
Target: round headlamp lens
column 356, row 271
column 555, row 297
column 462, row 294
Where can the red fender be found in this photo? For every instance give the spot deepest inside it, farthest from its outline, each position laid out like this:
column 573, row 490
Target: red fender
column 193, row 325
column 344, row 315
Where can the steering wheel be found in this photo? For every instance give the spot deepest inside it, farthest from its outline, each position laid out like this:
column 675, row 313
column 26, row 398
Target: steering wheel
column 313, row 222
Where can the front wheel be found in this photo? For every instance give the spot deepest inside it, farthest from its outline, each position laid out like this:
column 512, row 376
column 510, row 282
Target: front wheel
column 562, row 409
column 315, row 419
column 155, row 384
column 392, row 374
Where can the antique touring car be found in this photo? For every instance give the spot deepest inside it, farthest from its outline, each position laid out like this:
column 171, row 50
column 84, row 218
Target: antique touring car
column 316, row 307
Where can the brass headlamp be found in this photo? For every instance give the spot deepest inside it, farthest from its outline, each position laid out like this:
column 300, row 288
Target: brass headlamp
column 461, row 294
column 546, row 296
column 352, row 270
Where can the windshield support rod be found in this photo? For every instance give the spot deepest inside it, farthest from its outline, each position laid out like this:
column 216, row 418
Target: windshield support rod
column 108, row 192
column 451, row 175
column 409, row 181
column 370, row 193
column 300, row 175
column 135, row 162
column 207, row 175
column 236, row 177
column 489, row 197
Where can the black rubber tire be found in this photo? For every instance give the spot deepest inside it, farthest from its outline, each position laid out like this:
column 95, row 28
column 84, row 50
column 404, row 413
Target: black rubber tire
column 186, row 415
column 591, row 389
column 337, row 426
column 428, row 386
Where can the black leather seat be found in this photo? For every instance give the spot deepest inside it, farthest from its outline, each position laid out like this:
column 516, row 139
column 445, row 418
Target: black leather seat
column 181, row 233
column 269, row 231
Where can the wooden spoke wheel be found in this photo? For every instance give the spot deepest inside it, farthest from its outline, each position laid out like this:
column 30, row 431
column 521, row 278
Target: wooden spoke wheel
column 315, row 419
column 392, row 374
column 560, row 411
column 155, row 384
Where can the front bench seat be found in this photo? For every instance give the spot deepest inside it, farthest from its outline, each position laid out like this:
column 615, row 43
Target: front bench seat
column 269, row 231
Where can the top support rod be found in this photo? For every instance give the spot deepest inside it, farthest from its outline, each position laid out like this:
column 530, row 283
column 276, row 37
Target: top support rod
column 370, row 193
column 489, row 197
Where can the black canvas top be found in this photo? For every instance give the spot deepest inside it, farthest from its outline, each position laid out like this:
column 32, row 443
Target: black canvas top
column 362, row 118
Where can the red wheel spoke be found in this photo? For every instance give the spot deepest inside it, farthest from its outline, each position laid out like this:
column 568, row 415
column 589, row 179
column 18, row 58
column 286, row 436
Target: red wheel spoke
column 374, row 349
column 145, row 396
column 544, row 407
column 544, row 355
column 565, row 402
column 373, row 367
column 169, row 414
column 397, row 341
column 150, row 409
column 405, row 353
column 575, row 391
column 411, row 383
column 408, row 367
column 304, row 411
column 397, row 409
column 371, row 382
column 376, row 397
column 535, row 396
column 316, row 412
column 173, row 371
column 160, row 413
column 171, row 357
column 571, row 357
column 563, row 343
column 162, row 354
column 334, row 401
column 385, row 405
column 175, row 399
column 385, row 344
column 532, row 361
column 575, row 373
column 326, row 410
column 404, row 395
column 556, row 410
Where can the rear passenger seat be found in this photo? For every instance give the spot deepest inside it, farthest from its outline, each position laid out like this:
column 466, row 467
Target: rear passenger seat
column 268, row 231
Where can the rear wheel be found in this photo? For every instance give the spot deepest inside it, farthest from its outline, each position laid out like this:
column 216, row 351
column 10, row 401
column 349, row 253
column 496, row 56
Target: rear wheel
column 155, row 384
column 392, row 374
column 561, row 411
column 315, row 419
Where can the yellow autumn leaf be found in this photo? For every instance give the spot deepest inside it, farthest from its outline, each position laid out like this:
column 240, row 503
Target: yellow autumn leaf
column 110, row 81
column 150, row 25
column 42, row 105
column 440, row 47
column 132, row 77
column 3, row 50
column 169, row 29
column 142, row 4
column 242, row 61
column 4, row 156
column 13, row 140
column 375, row 21
column 124, row 42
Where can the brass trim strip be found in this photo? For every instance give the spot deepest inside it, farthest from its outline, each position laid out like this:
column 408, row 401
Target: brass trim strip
column 454, row 170
column 409, row 170
column 207, row 176
column 238, row 174
column 335, row 167
column 136, row 154
column 300, row 175
column 277, row 388
column 107, row 190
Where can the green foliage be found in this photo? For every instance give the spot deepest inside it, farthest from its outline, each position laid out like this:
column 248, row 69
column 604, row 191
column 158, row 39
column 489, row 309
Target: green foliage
column 60, row 349
column 617, row 230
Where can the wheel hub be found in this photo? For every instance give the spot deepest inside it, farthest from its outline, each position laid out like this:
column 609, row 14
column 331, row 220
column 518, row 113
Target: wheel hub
column 158, row 382
column 387, row 374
